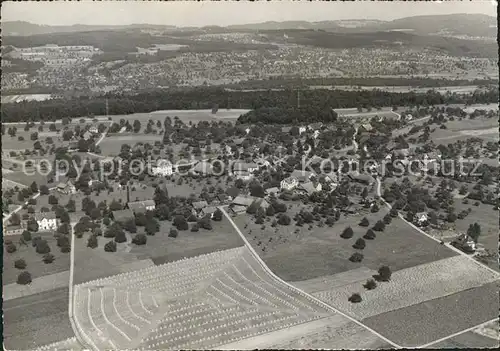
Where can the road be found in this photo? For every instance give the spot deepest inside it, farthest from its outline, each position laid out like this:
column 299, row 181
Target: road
column 331, row 308
column 379, row 185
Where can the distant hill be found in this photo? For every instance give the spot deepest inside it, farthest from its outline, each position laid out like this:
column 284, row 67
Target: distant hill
column 475, row 25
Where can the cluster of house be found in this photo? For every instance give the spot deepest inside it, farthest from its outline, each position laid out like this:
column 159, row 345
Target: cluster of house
column 131, row 209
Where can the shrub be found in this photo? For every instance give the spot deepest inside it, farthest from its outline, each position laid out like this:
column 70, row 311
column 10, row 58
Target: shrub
column 42, row 247
column 24, row 278
column 364, row 222
column 370, row 284
column 173, row 233
column 120, row 237
column 355, row 298
column 284, row 220
column 11, row 248
column 384, row 274
column 393, row 213
column 48, row 258
column 347, row 233
column 62, row 241
column 379, row 226
column 356, row 257
column 110, row 246
column 65, row 248
column 140, row 239
column 20, row 264
column 26, row 235
column 359, row 244
column 370, row 235
column 195, row 228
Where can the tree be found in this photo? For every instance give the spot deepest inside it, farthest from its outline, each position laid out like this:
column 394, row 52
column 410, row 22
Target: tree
column 120, row 236
column 15, row 219
column 44, row 190
column 452, row 217
column 218, row 215
column 11, row 248
column 370, row 284
column 110, row 246
column 359, row 244
column 393, row 213
column 180, row 223
column 24, row 278
column 195, row 228
column 173, row 233
column 152, row 227
column 26, row 235
column 20, row 264
column 53, row 200
column 34, row 187
column 34, row 136
column 474, row 231
column 270, row 211
column 137, row 126
column 48, row 258
column 62, row 241
column 205, row 223
column 355, row 298
column 347, row 233
column 71, row 205
column 284, row 219
column 375, row 208
column 115, row 206
column 364, row 222
column 356, row 257
column 379, row 226
column 92, row 242
column 370, row 235
column 139, row 239
column 42, row 247
column 384, row 274
column 129, row 226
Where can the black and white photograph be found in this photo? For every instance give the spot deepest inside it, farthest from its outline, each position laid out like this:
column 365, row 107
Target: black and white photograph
column 245, row 175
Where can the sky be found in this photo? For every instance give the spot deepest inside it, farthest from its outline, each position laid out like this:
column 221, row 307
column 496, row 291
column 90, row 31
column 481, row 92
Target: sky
column 193, row 13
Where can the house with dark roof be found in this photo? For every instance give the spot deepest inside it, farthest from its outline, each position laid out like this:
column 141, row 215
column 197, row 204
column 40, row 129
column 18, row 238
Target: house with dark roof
column 302, row 176
column 66, row 188
column 141, row 206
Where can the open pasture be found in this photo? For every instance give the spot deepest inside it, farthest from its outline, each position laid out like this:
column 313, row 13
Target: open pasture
column 197, row 303
column 111, row 144
column 484, row 128
column 163, row 249
column 468, row 340
column 34, row 264
column 428, row 321
column 321, row 251
column 36, row 320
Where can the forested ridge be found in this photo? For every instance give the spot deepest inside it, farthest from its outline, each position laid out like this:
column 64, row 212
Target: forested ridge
column 208, row 97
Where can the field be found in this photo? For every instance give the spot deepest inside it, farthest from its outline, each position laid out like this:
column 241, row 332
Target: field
column 408, row 287
column 96, row 263
column 385, row 112
column 25, row 97
column 34, row 262
column 428, row 321
column 321, row 251
column 484, row 128
column 36, row 320
column 468, row 340
column 111, row 144
column 203, row 302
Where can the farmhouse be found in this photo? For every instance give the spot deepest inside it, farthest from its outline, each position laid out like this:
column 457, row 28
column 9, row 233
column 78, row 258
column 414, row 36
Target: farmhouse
column 245, row 167
column 243, row 201
column 202, row 168
column 273, row 190
column 367, row 127
column 198, row 206
column 94, row 130
column 286, row 129
column 421, row 218
column 66, row 188
column 162, row 168
column 208, row 211
column 310, row 187
column 87, row 135
column 123, row 216
column 361, row 178
column 289, row 183
column 141, row 206
column 46, row 220
column 302, row 176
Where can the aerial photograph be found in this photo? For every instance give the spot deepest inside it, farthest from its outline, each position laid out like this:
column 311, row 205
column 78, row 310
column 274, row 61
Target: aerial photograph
column 198, row 175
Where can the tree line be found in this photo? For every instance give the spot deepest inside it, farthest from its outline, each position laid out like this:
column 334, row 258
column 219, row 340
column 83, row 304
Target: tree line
column 208, row 97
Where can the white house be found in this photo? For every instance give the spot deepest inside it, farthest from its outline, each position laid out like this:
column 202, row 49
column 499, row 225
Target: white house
column 46, row 221
column 421, row 218
column 142, row 206
column 302, row 130
column 289, row 183
column 93, row 130
column 310, row 187
column 245, row 167
column 162, row 168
